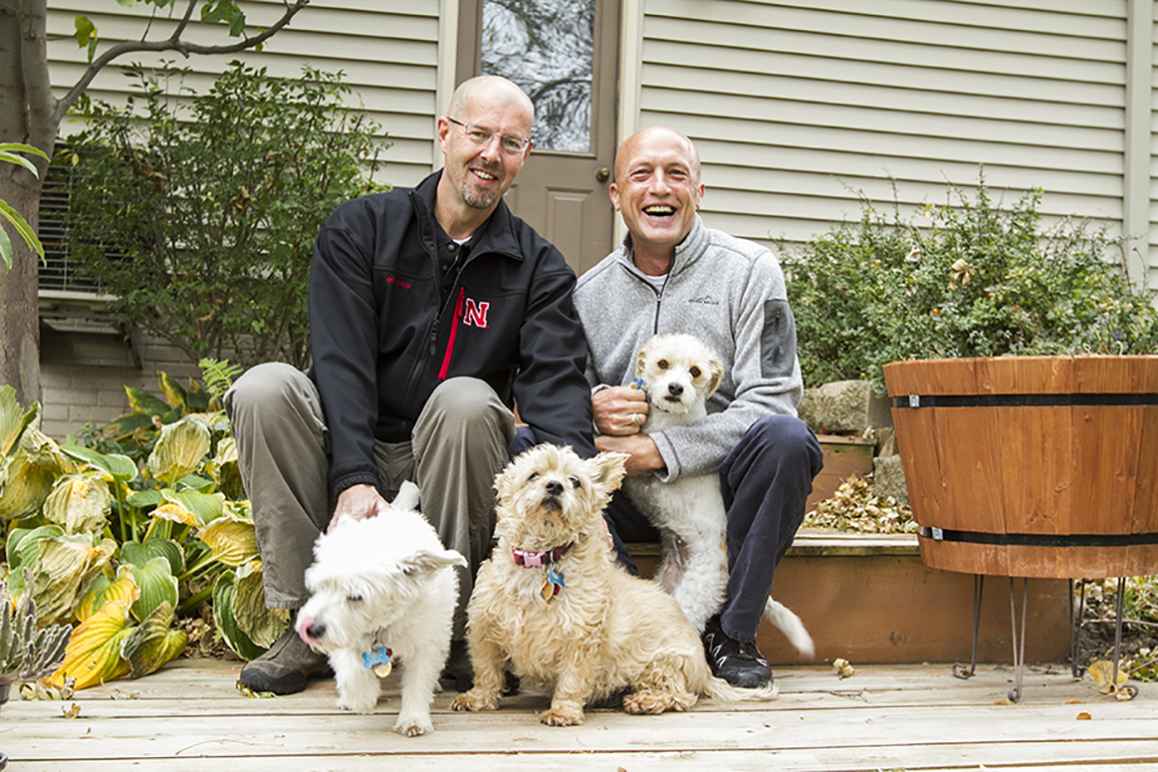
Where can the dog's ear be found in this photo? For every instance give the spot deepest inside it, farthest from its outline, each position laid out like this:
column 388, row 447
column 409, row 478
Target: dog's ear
column 608, row 470
column 428, row 561
column 716, row 374
column 407, row 498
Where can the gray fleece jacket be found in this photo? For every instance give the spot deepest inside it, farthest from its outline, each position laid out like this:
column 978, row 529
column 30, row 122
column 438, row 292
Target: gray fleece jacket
column 728, row 292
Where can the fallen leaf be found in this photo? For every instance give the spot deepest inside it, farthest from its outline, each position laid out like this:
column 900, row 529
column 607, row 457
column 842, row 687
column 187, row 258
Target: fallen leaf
column 1084, row 716
column 843, row 668
column 1003, row 701
column 35, row 690
column 1074, row 701
column 1102, row 674
column 71, row 711
column 117, row 694
column 251, row 694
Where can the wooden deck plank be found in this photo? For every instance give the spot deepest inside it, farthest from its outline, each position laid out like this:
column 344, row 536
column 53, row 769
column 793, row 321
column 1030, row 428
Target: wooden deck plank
column 54, row 740
column 813, row 692
column 916, row 717
column 951, row 756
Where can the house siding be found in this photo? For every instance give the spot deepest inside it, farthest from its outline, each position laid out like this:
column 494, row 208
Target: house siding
column 800, row 108
column 389, row 52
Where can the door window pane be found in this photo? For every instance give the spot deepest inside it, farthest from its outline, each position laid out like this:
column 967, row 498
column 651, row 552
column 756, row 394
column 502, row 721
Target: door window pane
column 545, row 46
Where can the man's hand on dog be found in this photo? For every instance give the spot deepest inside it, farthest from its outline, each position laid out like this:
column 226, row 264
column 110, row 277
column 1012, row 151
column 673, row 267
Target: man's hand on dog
column 645, row 456
column 357, row 503
column 619, row 411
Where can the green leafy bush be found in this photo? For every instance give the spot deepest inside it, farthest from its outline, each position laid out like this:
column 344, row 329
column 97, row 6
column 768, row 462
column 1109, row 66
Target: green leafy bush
column 975, row 280
column 127, row 546
column 201, row 219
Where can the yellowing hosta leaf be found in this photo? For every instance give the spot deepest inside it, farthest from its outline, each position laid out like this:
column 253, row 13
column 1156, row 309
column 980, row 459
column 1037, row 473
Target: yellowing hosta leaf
column 180, row 449
column 30, row 479
column 158, row 586
column 176, row 513
column 66, row 564
column 262, row 625
column 102, row 591
column 233, row 542
column 153, row 643
column 93, row 655
column 80, row 502
column 13, row 419
column 173, row 393
column 224, row 592
column 204, row 506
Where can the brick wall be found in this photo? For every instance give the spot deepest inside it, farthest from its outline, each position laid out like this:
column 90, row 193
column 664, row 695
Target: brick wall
column 83, row 375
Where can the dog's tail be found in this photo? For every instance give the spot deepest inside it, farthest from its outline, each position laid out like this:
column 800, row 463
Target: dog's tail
column 786, row 621
column 719, row 689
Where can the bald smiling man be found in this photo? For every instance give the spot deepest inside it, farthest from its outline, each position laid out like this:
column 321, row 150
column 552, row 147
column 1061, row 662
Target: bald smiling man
column 673, row 274
column 432, row 310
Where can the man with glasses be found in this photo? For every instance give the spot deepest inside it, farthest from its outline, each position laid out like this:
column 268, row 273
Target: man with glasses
column 432, row 311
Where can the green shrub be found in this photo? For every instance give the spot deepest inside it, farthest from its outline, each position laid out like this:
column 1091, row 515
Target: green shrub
column 201, row 219
column 974, row 280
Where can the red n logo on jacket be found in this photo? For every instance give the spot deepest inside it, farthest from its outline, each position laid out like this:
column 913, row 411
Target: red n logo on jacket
column 475, row 314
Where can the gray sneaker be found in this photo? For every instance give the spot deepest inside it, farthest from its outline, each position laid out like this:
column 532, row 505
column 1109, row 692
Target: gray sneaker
column 286, row 667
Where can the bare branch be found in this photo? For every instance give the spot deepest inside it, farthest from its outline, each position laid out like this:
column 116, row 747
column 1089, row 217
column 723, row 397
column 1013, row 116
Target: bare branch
column 172, row 43
column 34, row 71
column 181, row 25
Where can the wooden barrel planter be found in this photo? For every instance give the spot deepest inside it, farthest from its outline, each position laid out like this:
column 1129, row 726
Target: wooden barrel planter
column 1031, row 466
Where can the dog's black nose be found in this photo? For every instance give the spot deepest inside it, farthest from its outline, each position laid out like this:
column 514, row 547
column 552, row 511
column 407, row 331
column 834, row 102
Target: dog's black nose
column 675, row 389
column 316, row 630
column 554, row 487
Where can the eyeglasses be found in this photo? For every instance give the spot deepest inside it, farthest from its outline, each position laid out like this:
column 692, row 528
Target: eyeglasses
column 510, row 144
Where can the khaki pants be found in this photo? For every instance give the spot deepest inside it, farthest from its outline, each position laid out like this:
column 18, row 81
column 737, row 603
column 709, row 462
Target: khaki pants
column 460, row 442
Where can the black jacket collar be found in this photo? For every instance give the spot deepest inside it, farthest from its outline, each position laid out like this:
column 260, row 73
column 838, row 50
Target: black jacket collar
column 496, row 235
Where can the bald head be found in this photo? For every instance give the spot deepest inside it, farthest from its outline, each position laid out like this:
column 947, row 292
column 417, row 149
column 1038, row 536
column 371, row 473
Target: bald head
column 644, row 139
column 492, row 89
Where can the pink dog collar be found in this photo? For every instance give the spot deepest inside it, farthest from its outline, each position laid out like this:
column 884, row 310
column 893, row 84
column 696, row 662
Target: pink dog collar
column 529, row 559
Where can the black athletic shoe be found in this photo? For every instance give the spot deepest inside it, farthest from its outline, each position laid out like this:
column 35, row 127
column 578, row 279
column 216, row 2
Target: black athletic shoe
column 739, row 663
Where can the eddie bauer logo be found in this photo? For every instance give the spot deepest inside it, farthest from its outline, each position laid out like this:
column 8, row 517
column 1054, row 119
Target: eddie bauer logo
column 705, row 300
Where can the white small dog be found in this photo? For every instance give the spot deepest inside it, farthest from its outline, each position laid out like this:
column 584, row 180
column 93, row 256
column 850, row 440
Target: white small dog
column 679, row 374
column 552, row 604
column 383, row 591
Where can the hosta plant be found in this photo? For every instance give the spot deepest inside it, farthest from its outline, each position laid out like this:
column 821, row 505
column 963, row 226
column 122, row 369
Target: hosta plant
column 27, row 650
column 126, row 544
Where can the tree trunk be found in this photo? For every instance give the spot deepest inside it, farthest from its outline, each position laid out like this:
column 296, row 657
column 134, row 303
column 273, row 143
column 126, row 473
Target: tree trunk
column 19, row 302
column 22, row 34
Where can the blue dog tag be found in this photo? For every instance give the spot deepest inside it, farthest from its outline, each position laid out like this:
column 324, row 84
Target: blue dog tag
column 378, row 660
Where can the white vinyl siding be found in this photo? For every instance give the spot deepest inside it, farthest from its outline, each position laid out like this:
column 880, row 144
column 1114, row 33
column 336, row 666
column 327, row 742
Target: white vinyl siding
column 388, row 50
column 1152, row 251
column 799, row 107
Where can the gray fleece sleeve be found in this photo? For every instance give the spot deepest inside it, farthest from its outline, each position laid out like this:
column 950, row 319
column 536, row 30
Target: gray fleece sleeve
column 765, row 371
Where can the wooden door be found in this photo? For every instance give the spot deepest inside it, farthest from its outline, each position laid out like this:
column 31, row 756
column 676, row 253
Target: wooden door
column 564, row 54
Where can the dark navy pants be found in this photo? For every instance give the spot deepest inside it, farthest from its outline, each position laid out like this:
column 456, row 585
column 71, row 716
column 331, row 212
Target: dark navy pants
column 765, row 481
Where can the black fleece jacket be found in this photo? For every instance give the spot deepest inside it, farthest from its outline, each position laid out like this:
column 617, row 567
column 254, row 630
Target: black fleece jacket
column 382, row 340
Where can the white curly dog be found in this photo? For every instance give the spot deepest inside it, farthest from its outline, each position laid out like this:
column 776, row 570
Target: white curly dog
column 553, row 606
column 382, row 592
column 679, row 373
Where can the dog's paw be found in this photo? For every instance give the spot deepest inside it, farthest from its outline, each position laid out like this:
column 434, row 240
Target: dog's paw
column 562, row 716
column 474, row 701
column 358, row 706
column 413, row 726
